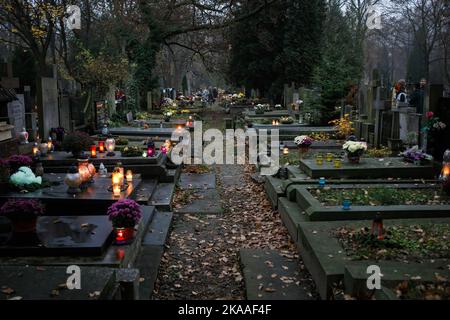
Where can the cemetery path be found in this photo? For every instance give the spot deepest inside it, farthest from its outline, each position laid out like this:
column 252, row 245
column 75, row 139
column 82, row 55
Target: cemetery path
column 201, row 260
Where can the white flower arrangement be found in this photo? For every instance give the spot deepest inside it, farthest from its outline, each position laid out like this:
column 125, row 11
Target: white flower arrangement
column 439, row 125
column 303, row 141
column 24, row 176
column 355, row 147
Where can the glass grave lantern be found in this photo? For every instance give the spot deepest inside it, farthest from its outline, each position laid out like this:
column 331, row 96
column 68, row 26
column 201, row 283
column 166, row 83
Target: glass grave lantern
column 377, row 227
column 110, row 145
column 445, row 173
column 151, row 149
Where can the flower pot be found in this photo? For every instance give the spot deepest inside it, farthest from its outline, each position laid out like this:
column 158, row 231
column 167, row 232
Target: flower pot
column 354, row 159
column 123, row 235
column 24, row 226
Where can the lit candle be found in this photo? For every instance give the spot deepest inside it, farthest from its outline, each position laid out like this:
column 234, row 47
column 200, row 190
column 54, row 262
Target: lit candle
column 144, row 154
column 129, row 176
column 110, row 145
column 94, row 151
column 116, row 178
column 35, row 150
column 273, row 122
column 101, row 146
column 50, row 144
column 285, row 150
column 120, row 236
column 346, row 204
column 319, row 160
column 322, row 182
column 163, row 149
column 337, row 163
column 83, row 170
column 150, row 149
column 116, row 190
column 330, row 157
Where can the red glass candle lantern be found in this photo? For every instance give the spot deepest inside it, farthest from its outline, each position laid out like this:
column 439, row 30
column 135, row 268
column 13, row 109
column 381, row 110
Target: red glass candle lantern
column 94, row 151
column 377, row 227
column 150, row 149
column 101, row 147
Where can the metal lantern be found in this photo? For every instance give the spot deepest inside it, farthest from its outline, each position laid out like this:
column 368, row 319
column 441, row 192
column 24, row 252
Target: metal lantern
column 110, row 145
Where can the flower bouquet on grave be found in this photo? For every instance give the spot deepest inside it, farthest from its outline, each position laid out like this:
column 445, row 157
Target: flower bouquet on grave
column 304, row 143
column 416, row 156
column 354, row 150
column 259, row 109
column 17, row 161
column 287, row 120
column 433, row 124
column 125, row 215
column 77, row 142
column 23, row 215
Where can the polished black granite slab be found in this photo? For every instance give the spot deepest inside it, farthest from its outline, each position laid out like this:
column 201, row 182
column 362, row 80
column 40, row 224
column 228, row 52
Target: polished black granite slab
column 59, row 235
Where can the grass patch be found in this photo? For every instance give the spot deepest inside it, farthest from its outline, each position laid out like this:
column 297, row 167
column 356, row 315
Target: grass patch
column 380, row 196
column 402, row 243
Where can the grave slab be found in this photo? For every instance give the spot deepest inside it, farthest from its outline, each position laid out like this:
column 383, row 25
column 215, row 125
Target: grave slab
column 204, row 202
column 115, row 256
column 324, row 256
column 394, row 273
column 316, row 211
column 159, row 229
column 368, row 168
column 271, row 276
column 44, row 283
column 96, row 198
column 62, row 235
column 197, row 181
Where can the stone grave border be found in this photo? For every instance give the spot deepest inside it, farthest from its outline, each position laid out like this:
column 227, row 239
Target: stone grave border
column 325, row 258
column 315, row 211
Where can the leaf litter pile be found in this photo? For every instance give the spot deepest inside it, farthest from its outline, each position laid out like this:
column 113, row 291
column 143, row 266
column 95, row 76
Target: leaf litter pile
column 201, row 260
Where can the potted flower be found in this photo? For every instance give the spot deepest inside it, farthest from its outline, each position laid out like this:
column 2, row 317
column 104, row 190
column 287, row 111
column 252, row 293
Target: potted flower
column 303, row 143
column 259, row 109
column 354, row 149
column 125, row 215
column 23, row 214
column 16, row 161
column 416, row 156
column 77, row 142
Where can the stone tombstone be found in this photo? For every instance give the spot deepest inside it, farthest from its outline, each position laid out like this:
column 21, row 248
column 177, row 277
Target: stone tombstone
column 16, row 113
column 130, row 117
column 48, row 105
column 64, row 112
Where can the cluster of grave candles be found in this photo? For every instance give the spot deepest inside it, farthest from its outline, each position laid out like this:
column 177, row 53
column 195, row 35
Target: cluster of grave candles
column 329, row 157
column 275, row 122
column 119, row 178
column 95, row 150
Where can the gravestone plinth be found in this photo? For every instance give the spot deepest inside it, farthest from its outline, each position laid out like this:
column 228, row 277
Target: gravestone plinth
column 44, row 283
column 95, row 199
column 368, row 168
column 60, row 235
column 149, row 167
column 141, row 132
column 116, row 256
